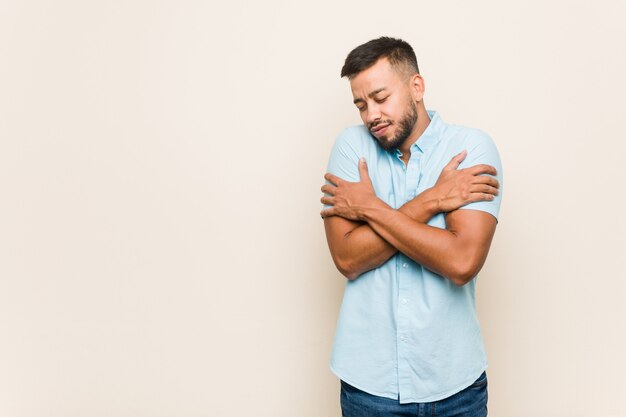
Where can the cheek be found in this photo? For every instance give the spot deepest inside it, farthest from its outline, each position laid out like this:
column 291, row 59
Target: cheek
column 394, row 109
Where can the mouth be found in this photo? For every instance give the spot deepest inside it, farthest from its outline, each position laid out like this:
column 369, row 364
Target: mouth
column 380, row 129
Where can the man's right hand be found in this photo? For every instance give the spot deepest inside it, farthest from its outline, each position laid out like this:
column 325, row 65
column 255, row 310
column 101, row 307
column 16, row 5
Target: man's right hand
column 457, row 187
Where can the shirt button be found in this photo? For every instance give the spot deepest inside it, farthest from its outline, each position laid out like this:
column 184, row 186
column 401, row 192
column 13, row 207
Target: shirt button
column 404, row 301
column 405, row 265
column 403, row 338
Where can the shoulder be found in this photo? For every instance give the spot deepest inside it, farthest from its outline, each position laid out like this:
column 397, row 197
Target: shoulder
column 469, row 137
column 353, row 142
column 478, row 144
column 354, row 136
column 480, row 147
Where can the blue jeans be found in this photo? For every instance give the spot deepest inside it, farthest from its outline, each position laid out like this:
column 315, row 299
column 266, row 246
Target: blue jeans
column 471, row 402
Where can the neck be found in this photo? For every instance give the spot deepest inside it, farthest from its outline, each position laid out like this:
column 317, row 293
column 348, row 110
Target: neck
column 423, row 120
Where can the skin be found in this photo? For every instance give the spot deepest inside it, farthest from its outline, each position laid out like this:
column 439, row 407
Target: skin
column 363, row 232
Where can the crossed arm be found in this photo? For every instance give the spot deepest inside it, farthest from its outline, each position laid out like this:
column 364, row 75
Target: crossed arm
column 363, row 232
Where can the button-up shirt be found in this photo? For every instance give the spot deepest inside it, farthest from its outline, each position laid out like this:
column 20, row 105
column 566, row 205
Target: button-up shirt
column 405, row 332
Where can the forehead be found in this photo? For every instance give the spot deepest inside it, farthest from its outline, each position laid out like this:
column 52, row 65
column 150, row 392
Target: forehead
column 380, row 75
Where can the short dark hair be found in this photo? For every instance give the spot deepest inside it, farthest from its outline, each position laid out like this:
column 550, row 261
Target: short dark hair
column 399, row 53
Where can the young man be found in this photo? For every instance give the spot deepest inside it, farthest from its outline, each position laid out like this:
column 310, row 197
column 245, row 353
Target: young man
column 410, row 227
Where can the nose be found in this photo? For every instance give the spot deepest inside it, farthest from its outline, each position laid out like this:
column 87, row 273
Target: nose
column 373, row 114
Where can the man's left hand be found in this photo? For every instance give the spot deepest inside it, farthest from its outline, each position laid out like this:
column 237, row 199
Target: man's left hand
column 349, row 199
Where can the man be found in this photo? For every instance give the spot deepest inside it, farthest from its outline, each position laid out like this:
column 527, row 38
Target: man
column 410, row 227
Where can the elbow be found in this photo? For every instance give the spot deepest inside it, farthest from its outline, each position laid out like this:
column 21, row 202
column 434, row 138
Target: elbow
column 347, row 269
column 351, row 276
column 463, row 272
column 461, row 279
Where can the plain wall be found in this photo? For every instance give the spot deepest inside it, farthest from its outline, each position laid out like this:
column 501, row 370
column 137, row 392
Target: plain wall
column 161, row 252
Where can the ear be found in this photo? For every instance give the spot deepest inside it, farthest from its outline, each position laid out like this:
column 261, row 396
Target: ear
column 417, row 87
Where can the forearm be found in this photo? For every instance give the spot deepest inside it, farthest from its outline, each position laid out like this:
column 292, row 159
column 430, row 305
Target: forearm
column 362, row 249
column 442, row 251
column 423, row 207
column 359, row 250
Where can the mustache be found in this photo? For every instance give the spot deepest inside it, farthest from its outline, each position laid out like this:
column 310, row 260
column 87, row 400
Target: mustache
column 372, row 125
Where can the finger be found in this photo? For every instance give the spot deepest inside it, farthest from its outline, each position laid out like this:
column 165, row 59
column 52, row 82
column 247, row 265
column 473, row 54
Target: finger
column 363, row 172
column 327, row 213
column 483, row 179
column 455, row 161
column 484, row 188
column 475, row 197
column 481, row 169
column 332, row 178
column 327, row 201
column 328, row 189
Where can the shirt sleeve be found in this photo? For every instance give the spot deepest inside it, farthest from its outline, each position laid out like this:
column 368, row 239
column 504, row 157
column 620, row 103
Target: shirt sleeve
column 344, row 158
column 482, row 150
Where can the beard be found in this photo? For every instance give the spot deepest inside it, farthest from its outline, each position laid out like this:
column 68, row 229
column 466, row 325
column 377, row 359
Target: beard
column 405, row 127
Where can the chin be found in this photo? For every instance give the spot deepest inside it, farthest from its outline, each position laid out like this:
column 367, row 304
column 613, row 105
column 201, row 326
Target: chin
column 387, row 138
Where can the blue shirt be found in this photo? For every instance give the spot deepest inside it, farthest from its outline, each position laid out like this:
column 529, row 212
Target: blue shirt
column 405, row 332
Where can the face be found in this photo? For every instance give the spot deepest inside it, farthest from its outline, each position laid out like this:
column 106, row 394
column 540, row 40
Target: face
column 386, row 104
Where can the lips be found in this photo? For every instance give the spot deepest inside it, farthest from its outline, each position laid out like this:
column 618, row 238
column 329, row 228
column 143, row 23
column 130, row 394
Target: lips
column 380, row 129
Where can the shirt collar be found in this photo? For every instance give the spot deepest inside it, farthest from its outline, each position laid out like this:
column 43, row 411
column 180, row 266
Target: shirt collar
column 432, row 135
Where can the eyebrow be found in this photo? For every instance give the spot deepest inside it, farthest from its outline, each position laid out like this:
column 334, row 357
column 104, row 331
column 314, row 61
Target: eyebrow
column 370, row 95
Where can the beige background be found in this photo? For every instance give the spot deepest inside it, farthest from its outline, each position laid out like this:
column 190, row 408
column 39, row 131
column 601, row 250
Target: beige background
column 161, row 252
